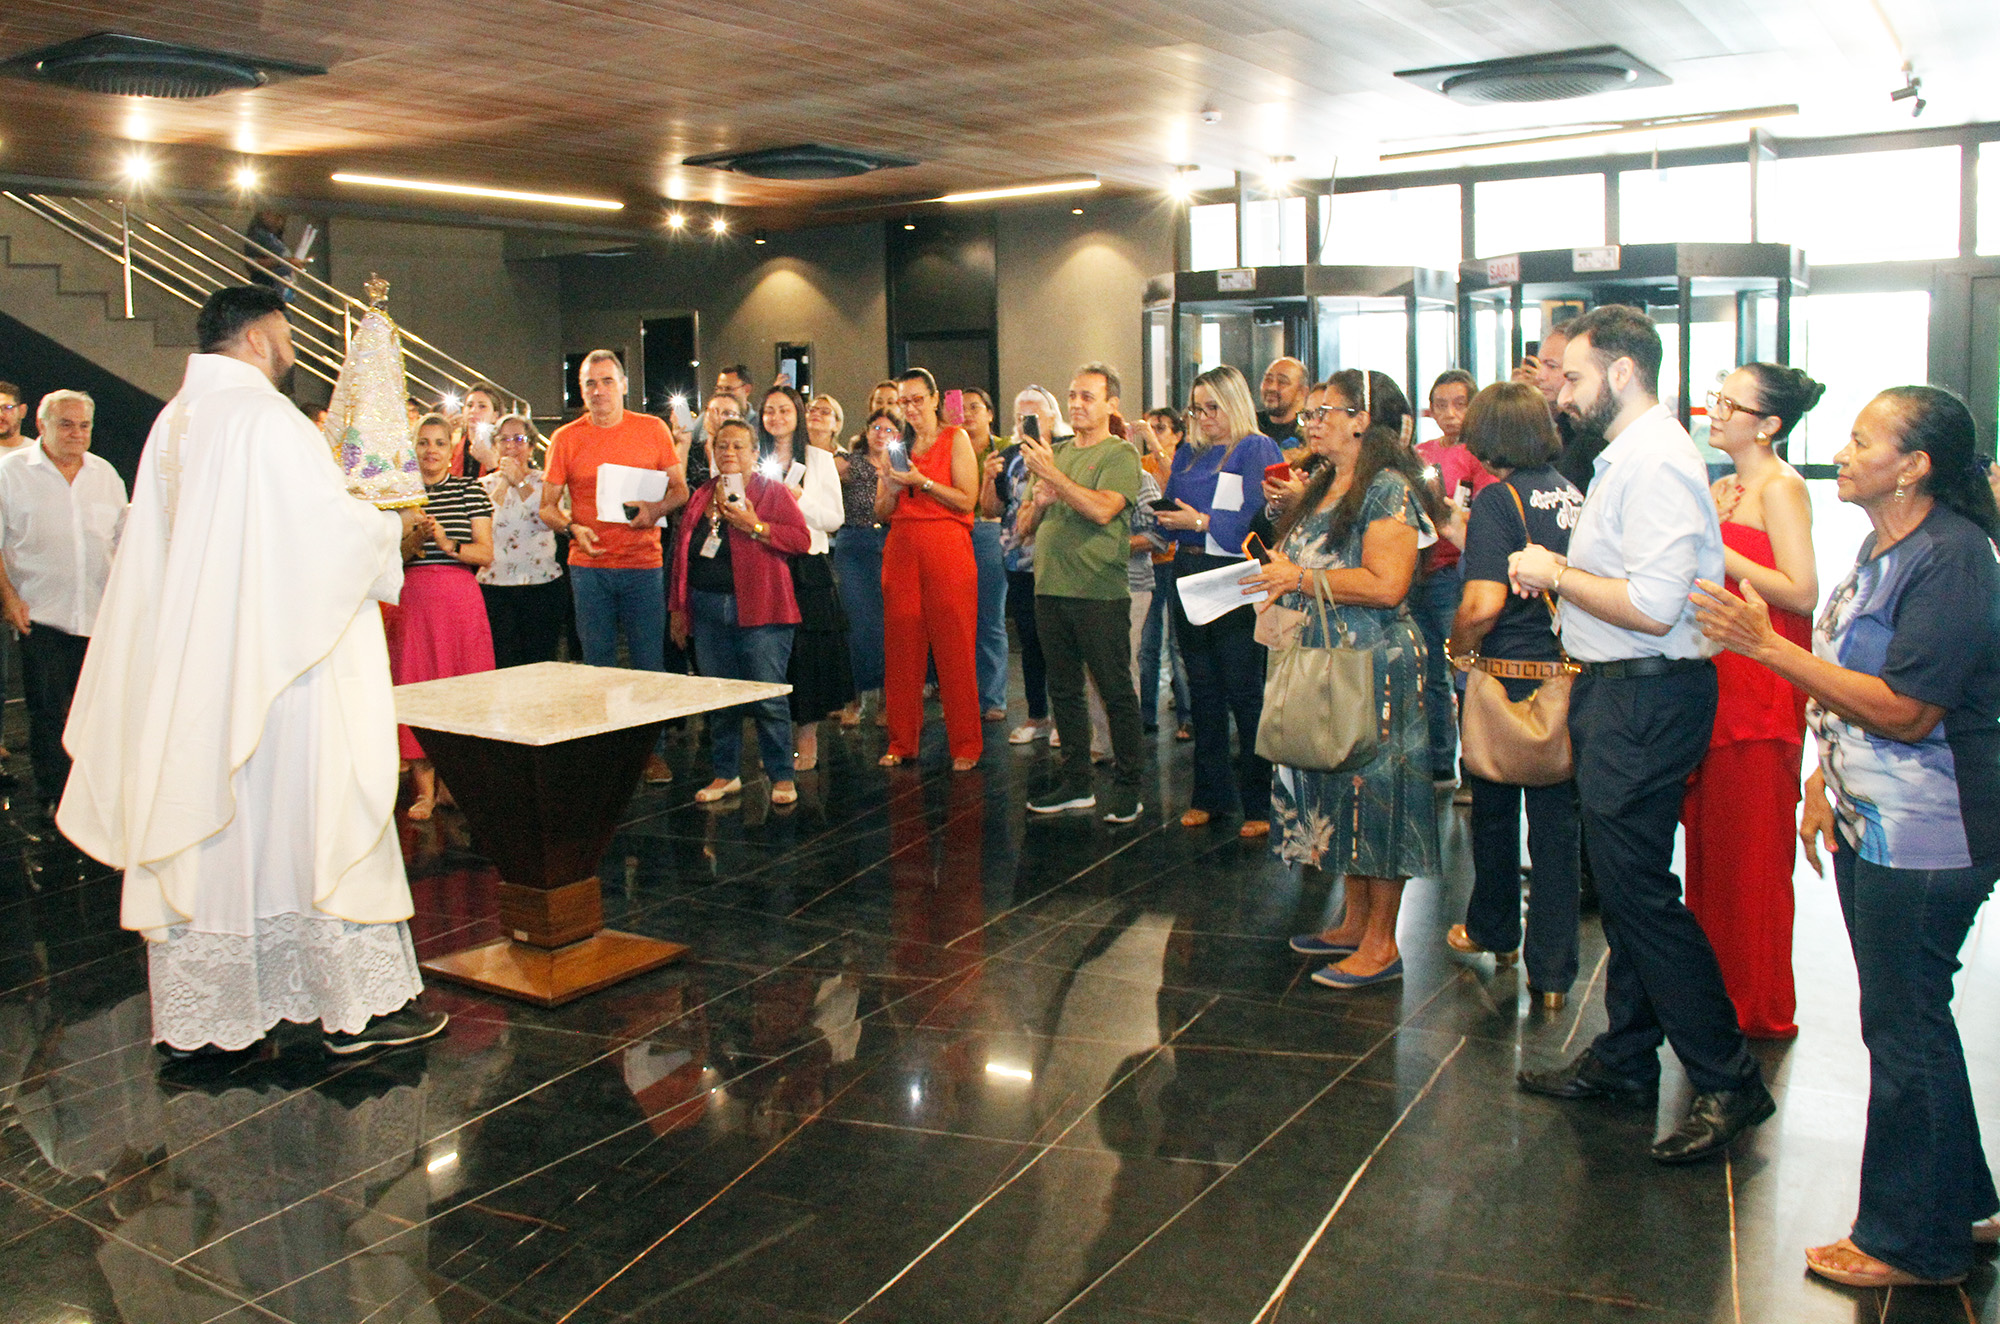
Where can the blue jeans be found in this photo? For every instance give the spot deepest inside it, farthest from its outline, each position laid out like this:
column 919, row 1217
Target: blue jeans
column 1924, row 1179
column 992, row 637
column 744, row 652
column 607, row 600
column 857, row 567
column 1434, row 601
column 1157, row 637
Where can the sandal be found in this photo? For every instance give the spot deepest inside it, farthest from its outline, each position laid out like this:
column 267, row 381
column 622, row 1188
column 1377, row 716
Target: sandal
column 964, row 765
column 420, row 809
column 717, row 789
column 889, row 761
column 1253, row 828
column 800, row 763
column 1195, row 818
column 1845, row 1263
column 784, row 793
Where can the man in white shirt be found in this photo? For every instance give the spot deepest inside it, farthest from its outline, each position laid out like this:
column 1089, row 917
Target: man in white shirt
column 60, row 511
column 1640, row 718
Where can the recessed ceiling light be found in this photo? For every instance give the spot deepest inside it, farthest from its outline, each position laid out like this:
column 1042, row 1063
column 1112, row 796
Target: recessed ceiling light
column 1021, row 191
column 675, row 220
column 246, row 178
column 1076, row 211
column 719, row 226
column 138, row 168
column 909, row 225
column 479, row 191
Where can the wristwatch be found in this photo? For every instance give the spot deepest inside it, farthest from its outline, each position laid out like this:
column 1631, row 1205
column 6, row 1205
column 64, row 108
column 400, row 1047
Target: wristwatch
column 757, row 530
column 927, row 485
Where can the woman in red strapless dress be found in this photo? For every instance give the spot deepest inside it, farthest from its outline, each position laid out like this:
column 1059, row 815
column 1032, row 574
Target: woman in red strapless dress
column 1741, row 805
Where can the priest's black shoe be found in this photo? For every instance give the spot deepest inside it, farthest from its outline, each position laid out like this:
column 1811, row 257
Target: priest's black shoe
column 1714, row 1119
column 1584, row 1077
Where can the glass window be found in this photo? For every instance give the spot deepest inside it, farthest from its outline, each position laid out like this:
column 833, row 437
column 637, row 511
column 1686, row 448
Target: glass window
column 1864, row 206
column 1857, row 344
column 1212, row 236
column 1274, row 233
column 1685, row 205
column 1989, row 198
column 1392, row 227
column 1521, row 215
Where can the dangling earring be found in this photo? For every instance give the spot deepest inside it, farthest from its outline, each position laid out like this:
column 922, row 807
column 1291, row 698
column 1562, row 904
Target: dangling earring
column 1902, row 493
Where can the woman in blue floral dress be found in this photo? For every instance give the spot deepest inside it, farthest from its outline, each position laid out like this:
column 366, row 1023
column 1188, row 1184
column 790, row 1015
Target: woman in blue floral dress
column 1356, row 529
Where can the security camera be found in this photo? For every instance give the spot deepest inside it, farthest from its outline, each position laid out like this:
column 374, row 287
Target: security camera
column 1911, row 91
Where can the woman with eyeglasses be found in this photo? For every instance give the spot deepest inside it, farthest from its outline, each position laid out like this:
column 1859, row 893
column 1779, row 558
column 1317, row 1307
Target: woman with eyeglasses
column 1214, row 484
column 1743, row 800
column 523, row 586
column 1355, row 534
column 930, row 583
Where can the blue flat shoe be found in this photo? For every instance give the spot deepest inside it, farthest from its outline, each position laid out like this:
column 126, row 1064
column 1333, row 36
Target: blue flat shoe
column 1334, row 977
column 1311, row 944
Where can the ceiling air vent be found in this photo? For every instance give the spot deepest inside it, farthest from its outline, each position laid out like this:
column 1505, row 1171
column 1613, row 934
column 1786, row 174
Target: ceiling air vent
column 804, row 161
column 118, row 65
column 1557, row 76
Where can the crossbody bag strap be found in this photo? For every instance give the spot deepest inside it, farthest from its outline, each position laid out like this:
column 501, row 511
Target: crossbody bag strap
column 1555, row 612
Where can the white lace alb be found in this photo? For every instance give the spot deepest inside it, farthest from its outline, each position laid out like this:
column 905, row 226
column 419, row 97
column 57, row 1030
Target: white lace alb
column 229, row 989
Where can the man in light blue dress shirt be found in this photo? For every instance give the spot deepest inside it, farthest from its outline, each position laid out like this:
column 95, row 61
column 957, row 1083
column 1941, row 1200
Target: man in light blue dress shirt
column 1640, row 718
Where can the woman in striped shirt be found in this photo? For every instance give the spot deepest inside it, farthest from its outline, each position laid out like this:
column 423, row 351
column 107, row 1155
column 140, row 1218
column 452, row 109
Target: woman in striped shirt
column 440, row 628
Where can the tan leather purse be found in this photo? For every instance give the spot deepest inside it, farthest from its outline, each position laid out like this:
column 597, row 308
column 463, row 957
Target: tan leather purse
column 1319, row 703
column 1524, row 742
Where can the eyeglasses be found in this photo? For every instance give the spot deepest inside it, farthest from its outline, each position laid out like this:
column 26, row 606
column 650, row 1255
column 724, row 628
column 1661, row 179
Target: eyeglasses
column 1205, row 411
column 1320, row 413
column 1721, row 408
column 912, row 401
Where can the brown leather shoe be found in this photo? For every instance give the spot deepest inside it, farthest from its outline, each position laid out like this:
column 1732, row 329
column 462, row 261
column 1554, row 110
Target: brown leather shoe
column 657, row 772
column 1459, row 940
column 1253, row 828
column 1195, row 818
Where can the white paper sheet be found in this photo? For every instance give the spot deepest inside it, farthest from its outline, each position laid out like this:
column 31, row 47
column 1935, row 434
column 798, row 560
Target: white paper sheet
column 1228, row 492
column 1214, row 593
column 619, row 483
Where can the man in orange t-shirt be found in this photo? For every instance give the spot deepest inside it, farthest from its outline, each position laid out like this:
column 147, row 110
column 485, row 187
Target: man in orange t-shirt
column 615, row 566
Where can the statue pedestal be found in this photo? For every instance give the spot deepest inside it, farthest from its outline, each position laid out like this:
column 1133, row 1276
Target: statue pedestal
column 542, row 760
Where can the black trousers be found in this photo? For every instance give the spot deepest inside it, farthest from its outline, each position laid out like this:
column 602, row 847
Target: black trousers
column 527, row 621
column 1636, row 740
column 1094, row 634
column 1034, row 674
column 50, row 664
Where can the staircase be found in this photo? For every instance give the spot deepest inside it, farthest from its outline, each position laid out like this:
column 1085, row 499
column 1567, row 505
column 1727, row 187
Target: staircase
column 63, row 287
column 73, row 268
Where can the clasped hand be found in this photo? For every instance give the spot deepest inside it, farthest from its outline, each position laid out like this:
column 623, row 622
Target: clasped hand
column 1533, row 570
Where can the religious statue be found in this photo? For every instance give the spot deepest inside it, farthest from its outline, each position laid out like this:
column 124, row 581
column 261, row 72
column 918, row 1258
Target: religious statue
column 366, row 423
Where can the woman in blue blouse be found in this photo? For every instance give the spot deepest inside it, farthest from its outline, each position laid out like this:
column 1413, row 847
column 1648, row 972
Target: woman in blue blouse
column 1904, row 678
column 1216, row 487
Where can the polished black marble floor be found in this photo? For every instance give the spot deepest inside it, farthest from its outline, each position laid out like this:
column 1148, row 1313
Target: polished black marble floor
column 929, row 1061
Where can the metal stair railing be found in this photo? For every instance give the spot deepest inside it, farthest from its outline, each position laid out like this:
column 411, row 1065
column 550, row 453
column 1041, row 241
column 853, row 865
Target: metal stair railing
column 189, row 256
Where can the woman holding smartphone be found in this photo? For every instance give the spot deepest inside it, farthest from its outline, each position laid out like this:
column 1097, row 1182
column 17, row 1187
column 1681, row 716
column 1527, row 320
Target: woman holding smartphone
column 930, row 582
column 822, row 681
column 731, row 592
column 1210, row 501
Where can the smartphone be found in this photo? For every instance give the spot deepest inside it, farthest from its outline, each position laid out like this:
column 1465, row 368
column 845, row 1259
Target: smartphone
column 953, row 412
column 683, row 416
column 1031, row 426
column 1463, row 492
column 1254, row 546
column 631, row 510
column 899, row 457
column 1278, row 473
column 732, row 487
column 1164, row 504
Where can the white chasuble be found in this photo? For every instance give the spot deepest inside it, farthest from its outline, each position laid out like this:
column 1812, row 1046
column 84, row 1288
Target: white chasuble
column 233, row 732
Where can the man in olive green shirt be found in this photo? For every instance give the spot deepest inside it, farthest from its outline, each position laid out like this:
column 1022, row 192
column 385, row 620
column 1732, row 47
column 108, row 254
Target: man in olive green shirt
column 1080, row 516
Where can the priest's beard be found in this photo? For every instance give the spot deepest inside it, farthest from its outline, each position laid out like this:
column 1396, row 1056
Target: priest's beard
column 1588, row 427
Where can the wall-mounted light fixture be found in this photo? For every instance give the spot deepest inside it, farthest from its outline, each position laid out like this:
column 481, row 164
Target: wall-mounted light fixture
column 478, row 191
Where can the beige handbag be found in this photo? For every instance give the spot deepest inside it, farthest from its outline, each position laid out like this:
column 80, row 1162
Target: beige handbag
column 1524, row 742
column 1319, row 703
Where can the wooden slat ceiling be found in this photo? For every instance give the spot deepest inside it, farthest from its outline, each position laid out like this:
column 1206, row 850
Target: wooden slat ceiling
column 607, row 98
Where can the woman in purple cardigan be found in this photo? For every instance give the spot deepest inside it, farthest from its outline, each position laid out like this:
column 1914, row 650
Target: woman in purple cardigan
column 732, row 590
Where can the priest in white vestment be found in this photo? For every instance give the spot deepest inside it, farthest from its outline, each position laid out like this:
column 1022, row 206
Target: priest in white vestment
column 233, row 731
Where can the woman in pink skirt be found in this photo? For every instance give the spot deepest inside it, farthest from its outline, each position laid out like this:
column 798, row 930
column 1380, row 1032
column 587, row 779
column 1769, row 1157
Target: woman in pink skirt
column 441, row 627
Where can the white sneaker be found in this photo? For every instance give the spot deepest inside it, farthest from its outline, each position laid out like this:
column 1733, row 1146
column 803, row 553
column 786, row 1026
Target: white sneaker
column 1027, row 733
